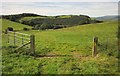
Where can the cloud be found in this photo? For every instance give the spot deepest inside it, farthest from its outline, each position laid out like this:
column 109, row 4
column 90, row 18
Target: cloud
column 60, row 8
column 60, row 0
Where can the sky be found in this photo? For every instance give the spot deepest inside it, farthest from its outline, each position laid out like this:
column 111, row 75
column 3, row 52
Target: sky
column 63, row 7
column 59, row 0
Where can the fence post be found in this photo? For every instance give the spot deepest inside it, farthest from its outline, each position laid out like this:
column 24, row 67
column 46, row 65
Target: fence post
column 95, row 43
column 32, row 44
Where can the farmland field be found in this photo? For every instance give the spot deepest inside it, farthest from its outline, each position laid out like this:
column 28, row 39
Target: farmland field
column 64, row 51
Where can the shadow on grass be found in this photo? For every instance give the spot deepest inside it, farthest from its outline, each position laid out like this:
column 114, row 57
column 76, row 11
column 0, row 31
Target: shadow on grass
column 11, row 50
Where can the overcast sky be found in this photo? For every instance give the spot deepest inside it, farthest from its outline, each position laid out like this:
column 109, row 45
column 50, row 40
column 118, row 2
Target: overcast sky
column 59, row 0
column 56, row 7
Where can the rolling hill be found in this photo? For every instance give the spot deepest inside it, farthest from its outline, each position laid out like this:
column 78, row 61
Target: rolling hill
column 17, row 26
column 50, row 22
column 63, row 51
column 70, row 50
column 109, row 17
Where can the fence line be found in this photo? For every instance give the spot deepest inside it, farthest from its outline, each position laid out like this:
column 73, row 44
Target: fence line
column 22, row 39
column 26, row 39
column 95, row 43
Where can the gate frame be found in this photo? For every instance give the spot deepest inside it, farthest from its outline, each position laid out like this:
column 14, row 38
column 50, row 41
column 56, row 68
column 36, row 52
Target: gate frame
column 31, row 40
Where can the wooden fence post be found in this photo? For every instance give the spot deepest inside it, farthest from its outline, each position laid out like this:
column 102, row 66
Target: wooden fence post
column 32, row 44
column 95, row 43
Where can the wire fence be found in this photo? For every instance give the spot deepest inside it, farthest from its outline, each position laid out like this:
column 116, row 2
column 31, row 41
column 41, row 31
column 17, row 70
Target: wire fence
column 26, row 42
column 108, row 43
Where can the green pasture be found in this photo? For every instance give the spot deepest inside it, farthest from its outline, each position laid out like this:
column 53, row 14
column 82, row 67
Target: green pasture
column 16, row 26
column 29, row 18
column 70, row 48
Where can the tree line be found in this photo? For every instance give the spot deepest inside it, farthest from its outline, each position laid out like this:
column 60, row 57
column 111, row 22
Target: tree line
column 55, row 22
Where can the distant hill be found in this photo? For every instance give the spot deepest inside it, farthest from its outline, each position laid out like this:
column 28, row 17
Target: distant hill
column 50, row 22
column 108, row 17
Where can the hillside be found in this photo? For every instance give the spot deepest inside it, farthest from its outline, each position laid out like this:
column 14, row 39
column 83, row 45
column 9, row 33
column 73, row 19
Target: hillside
column 109, row 17
column 40, row 22
column 17, row 26
column 65, row 51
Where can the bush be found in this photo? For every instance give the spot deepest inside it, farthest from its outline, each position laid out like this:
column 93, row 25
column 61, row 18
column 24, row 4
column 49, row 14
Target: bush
column 57, row 27
column 26, row 29
column 10, row 29
column 45, row 26
column 36, row 27
column 33, row 28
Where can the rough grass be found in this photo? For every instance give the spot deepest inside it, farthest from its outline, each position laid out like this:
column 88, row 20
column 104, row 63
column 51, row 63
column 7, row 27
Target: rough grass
column 66, row 51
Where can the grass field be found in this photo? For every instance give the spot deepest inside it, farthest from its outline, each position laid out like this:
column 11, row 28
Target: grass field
column 70, row 48
column 50, row 17
column 29, row 18
column 16, row 26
